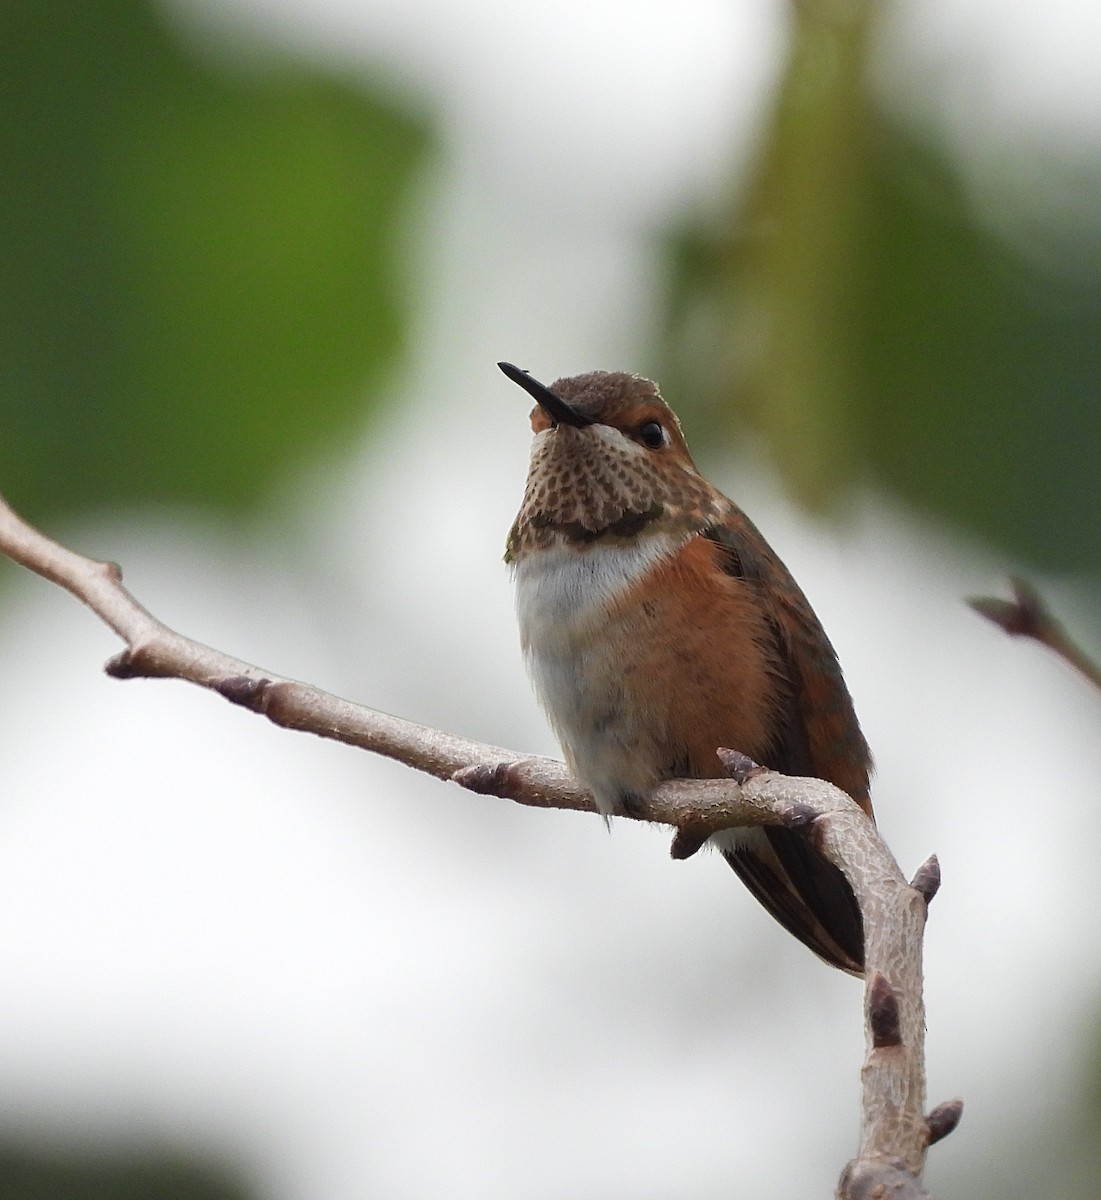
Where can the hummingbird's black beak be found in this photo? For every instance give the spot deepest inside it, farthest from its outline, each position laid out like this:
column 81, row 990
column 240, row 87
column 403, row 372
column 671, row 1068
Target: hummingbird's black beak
column 558, row 410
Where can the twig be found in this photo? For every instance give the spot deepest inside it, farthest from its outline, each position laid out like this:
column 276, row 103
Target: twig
column 895, row 1130
column 1027, row 615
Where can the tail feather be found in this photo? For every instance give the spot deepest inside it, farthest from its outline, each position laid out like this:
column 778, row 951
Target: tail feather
column 808, row 896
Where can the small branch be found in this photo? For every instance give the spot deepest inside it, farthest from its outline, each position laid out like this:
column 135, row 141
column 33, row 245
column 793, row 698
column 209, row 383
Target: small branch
column 1027, row 615
column 895, row 1130
column 153, row 650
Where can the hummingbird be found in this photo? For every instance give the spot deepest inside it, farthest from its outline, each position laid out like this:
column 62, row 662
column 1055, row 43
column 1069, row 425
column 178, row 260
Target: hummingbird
column 658, row 625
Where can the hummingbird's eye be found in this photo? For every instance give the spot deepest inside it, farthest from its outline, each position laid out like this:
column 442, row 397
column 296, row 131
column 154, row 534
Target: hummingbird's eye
column 652, row 435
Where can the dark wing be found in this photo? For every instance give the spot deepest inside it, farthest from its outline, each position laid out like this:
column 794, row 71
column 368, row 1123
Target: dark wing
column 817, row 735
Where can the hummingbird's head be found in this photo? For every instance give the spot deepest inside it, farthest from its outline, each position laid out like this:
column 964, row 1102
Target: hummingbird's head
column 609, row 461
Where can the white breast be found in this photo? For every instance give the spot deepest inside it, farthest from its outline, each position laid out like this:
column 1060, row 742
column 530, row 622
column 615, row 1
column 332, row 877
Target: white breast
column 561, row 591
column 562, row 600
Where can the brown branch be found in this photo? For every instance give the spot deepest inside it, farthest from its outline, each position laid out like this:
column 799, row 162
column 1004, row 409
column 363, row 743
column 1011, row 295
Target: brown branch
column 1027, row 615
column 895, row 1130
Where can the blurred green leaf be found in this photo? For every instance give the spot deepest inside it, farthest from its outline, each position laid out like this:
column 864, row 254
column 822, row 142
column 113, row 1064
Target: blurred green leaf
column 27, row 1174
column 982, row 398
column 852, row 307
column 200, row 267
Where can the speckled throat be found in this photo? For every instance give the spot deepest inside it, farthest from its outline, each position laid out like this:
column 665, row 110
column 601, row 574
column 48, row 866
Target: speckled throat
column 591, row 484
